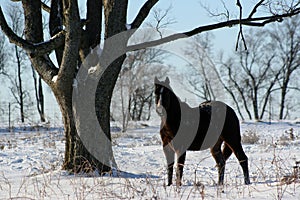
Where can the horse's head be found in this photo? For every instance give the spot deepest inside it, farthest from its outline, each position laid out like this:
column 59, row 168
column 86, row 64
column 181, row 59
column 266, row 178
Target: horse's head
column 163, row 95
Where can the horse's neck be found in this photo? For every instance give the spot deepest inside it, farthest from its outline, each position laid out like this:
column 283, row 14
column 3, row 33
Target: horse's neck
column 174, row 112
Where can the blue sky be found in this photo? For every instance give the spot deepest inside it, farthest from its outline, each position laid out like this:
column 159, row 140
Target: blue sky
column 187, row 14
column 191, row 14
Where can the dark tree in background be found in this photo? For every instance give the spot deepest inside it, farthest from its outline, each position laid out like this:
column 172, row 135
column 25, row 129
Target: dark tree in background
column 39, row 95
column 288, row 54
column 3, row 54
column 17, row 77
column 133, row 95
column 72, row 40
column 17, row 89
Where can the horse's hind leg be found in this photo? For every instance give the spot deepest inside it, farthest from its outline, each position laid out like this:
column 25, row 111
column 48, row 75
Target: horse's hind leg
column 179, row 170
column 219, row 158
column 243, row 159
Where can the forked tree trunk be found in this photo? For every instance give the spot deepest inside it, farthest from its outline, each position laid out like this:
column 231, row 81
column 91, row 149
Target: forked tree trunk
column 77, row 157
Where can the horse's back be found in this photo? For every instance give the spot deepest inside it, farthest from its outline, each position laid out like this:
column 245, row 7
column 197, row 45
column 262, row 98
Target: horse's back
column 220, row 113
column 218, row 108
column 217, row 119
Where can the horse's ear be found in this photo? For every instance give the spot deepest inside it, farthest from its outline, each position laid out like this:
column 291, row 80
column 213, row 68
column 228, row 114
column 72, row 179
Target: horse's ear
column 156, row 80
column 167, row 81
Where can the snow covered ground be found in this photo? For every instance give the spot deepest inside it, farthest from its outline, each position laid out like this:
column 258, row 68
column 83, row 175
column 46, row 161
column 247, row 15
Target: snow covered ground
column 30, row 162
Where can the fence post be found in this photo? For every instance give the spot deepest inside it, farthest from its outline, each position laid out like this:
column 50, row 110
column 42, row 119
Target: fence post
column 270, row 110
column 9, row 119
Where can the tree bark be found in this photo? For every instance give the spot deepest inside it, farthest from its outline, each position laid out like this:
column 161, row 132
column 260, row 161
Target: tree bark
column 77, row 157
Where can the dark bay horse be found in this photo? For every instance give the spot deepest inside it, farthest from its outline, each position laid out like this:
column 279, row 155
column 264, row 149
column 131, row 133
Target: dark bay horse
column 207, row 126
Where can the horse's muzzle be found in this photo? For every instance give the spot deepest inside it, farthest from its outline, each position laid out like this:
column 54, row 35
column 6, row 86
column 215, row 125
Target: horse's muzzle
column 160, row 110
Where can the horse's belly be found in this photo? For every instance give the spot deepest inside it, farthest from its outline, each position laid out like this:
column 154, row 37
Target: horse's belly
column 198, row 147
column 200, row 144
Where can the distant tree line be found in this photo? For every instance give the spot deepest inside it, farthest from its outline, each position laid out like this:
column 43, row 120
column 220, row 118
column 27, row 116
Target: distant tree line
column 133, row 96
column 16, row 78
column 261, row 81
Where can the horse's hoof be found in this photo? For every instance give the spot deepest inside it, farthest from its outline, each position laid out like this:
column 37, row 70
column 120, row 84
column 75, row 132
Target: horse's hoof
column 247, row 182
column 220, row 183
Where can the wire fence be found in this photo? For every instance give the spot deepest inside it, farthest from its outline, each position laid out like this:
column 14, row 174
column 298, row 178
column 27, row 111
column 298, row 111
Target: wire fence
column 10, row 115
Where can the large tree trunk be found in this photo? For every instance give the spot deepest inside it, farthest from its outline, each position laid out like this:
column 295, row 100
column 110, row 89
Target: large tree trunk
column 103, row 97
column 86, row 149
column 77, row 157
column 91, row 106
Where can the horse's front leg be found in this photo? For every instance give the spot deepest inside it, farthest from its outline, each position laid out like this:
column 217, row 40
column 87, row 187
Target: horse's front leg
column 170, row 154
column 180, row 165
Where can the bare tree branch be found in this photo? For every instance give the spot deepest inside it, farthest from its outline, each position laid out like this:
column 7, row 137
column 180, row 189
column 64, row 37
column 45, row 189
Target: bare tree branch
column 33, row 49
column 56, row 25
column 9, row 32
column 45, row 7
column 230, row 90
column 240, row 35
column 222, row 15
column 48, row 46
column 161, row 20
column 72, row 43
column 254, row 10
column 143, row 13
column 258, row 21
